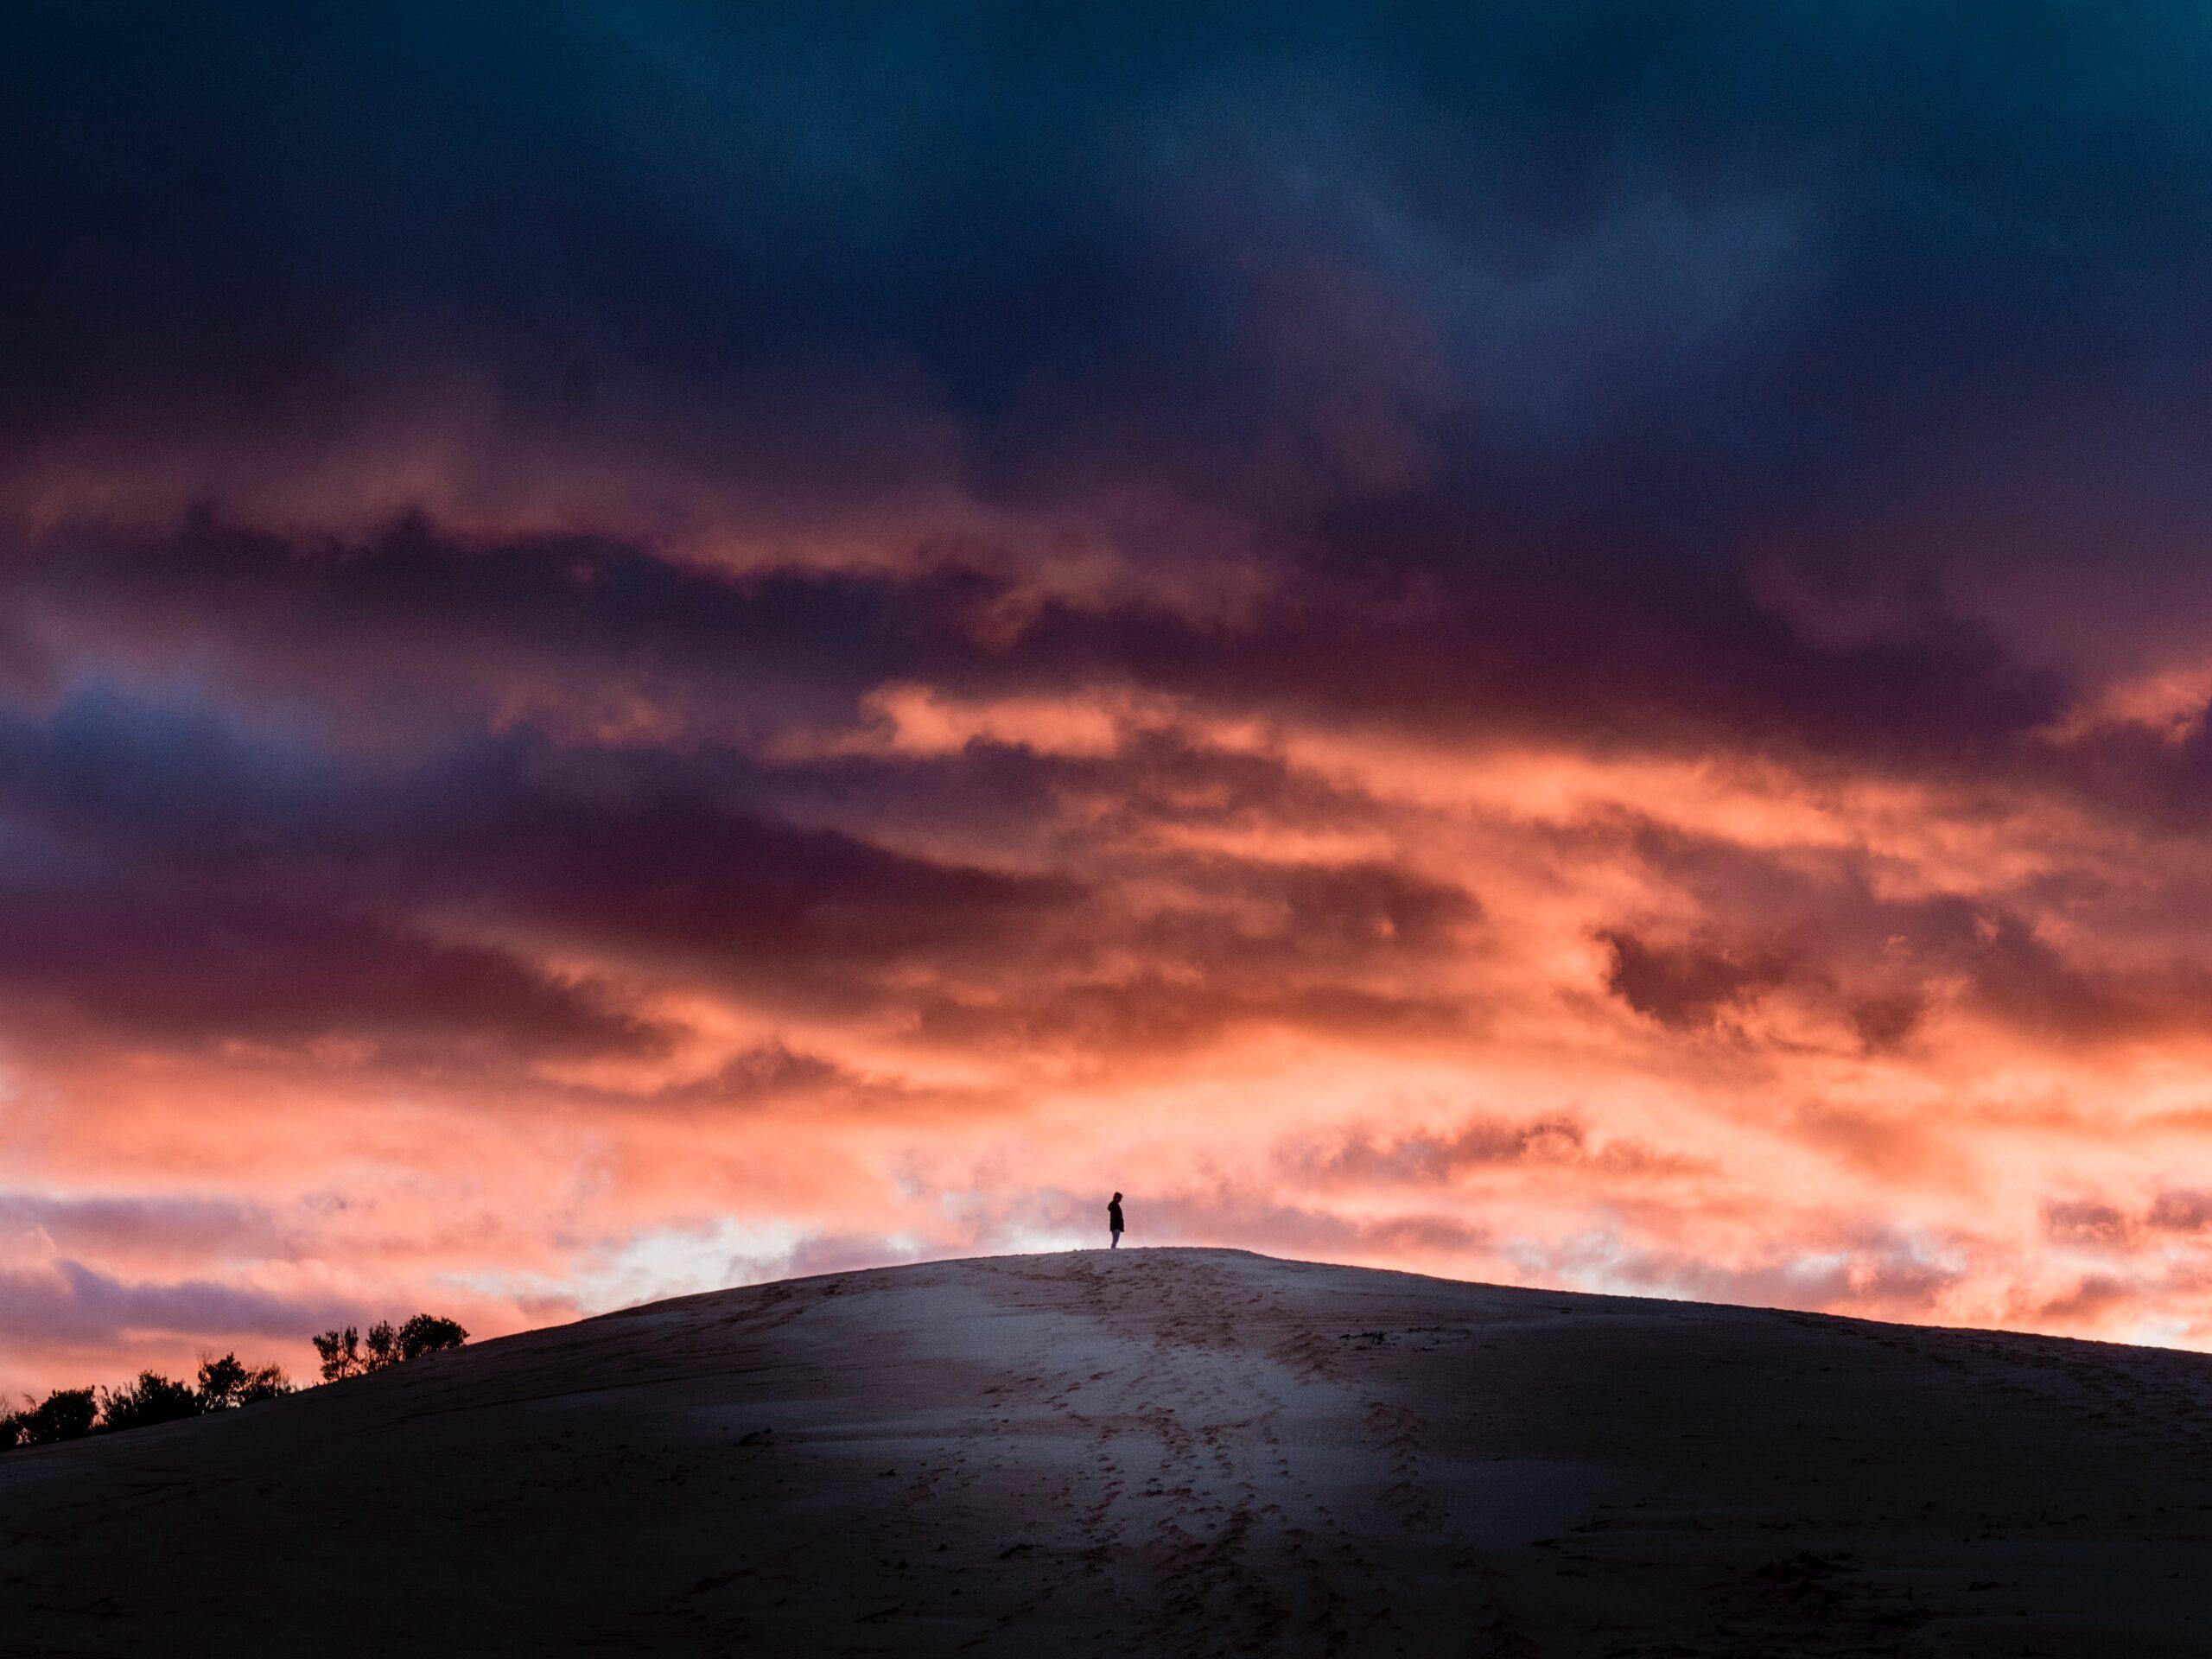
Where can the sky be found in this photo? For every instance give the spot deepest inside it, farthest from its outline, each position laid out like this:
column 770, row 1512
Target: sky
column 653, row 645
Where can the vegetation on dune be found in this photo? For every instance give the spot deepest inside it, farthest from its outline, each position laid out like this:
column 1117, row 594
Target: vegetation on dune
column 62, row 1415
column 152, row 1399
column 344, row 1353
column 224, row 1384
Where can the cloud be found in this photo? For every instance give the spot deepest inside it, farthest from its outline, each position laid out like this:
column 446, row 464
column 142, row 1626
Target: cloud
column 72, row 1303
column 426, row 623
column 650, row 619
column 2105, row 1225
column 1361, row 1156
column 2086, row 1222
column 1876, row 1276
column 2181, row 1209
column 1640, row 243
column 110, row 1223
column 132, row 960
column 1687, row 986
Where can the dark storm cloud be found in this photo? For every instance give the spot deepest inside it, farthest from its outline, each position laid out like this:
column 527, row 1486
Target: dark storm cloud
column 2053, row 965
column 1687, row 986
column 181, row 876
column 439, row 629
column 1600, row 283
column 362, row 859
column 165, row 878
column 369, row 861
column 217, row 964
column 649, row 855
column 175, row 877
column 1598, row 652
column 2162, row 778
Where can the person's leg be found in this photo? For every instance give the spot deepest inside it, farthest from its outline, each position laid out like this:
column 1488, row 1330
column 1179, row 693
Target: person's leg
column 1116, row 1244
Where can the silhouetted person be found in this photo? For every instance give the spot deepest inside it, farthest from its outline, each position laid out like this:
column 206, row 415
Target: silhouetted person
column 1114, row 1220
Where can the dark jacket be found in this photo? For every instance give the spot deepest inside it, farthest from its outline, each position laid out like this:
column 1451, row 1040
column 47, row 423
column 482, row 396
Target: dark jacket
column 1114, row 1216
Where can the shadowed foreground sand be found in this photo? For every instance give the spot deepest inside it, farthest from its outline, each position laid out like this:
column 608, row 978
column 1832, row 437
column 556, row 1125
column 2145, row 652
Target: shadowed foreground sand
column 1159, row 1452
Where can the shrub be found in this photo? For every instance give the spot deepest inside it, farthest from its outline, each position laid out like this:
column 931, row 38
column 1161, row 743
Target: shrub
column 68, row 1414
column 152, row 1399
column 426, row 1333
column 226, row 1382
column 340, row 1353
column 383, row 1345
column 65, row 1414
column 264, row 1383
column 343, row 1353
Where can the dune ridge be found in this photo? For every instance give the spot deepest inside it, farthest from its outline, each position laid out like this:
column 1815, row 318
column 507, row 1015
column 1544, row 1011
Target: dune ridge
column 1159, row 1452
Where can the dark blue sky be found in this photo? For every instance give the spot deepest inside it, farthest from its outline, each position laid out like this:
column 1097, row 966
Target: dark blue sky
column 1877, row 286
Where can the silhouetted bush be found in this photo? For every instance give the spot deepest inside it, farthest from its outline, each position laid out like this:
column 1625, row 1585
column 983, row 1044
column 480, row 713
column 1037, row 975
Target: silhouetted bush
column 383, row 1344
column 227, row 1382
column 344, row 1354
column 68, row 1414
column 223, row 1384
column 65, row 1414
column 426, row 1333
column 152, row 1399
column 340, row 1353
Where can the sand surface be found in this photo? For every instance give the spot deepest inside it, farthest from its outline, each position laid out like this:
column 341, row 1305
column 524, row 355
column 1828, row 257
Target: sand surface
column 1156, row 1452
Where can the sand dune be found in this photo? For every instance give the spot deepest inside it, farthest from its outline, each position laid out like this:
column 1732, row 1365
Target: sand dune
column 1156, row 1452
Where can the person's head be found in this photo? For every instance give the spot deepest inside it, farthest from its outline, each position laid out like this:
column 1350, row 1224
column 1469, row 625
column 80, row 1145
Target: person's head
column 1117, row 1197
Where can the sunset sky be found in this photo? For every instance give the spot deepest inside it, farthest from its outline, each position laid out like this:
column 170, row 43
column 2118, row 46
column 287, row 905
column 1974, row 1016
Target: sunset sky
column 653, row 645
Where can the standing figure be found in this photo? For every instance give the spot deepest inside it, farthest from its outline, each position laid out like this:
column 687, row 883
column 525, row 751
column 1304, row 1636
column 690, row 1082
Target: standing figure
column 1114, row 1220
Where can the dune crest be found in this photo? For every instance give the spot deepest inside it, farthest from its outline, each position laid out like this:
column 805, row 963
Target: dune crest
column 1165, row 1450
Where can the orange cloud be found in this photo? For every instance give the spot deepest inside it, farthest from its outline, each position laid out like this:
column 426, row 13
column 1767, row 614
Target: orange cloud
column 463, row 1003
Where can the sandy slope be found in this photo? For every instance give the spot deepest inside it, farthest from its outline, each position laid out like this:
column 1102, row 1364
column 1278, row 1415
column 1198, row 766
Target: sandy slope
column 1161, row 1451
